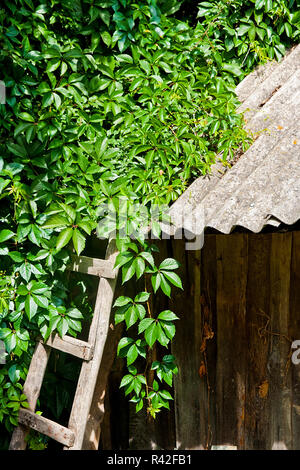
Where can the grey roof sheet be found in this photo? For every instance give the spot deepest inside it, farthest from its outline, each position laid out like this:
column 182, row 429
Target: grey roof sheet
column 263, row 186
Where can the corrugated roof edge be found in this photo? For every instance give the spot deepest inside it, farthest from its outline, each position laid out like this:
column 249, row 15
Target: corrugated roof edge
column 282, row 110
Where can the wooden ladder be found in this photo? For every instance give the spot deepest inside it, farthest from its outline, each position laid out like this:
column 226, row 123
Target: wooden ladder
column 91, row 352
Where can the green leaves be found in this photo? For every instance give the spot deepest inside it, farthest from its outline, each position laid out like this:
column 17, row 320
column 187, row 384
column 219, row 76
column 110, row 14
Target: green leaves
column 26, row 117
column 167, row 315
column 130, row 310
column 6, row 235
column 164, row 276
column 131, row 349
column 56, row 221
column 71, row 225
column 160, row 398
column 78, row 241
column 33, row 295
column 234, row 69
column 63, row 238
column 295, row 17
column 133, row 382
column 150, row 329
column 15, row 340
column 64, row 321
column 165, row 369
column 135, row 106
column 133, row 263
column 251, row 30
column 162, row 329
column 31, row 306
column 169, row 264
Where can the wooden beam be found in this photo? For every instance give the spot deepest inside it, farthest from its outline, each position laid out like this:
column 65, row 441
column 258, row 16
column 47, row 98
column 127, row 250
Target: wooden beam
column 280, row 390
column 208, row 289
column 257, row 413
column 294, row 333
column 46, row 426
column 230, row 397
column 188, row 386
column 93, row 266
column 89, row 370
column 72, row 346
column 96, row 415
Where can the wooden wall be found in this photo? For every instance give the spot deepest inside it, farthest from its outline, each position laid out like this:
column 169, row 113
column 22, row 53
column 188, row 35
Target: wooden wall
column 239, row 312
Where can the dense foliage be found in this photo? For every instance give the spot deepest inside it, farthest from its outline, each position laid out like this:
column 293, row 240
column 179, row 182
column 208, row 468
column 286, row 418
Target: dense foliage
column 107, row 100
column 252, row 31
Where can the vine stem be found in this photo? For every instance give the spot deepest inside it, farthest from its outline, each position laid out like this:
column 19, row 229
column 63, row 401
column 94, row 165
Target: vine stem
column 148, row 373
column 148, row 305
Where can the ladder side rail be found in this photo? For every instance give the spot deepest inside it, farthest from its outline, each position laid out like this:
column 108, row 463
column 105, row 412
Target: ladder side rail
column 97, row 410
column 111, row 254
column 32, row 388
column 90, row 370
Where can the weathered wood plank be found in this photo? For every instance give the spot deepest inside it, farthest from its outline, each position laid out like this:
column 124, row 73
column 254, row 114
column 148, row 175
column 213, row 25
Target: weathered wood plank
column 209, row 322
column 231, row 339
column 32, row 387
column 145, row 432
column 201, row 424
column 47, row 427
column 257, row 416
column 96, row 415
column 164, row 423
column 280, row 379
column 186, row 349
column 294, row 333
column 89, row 370
column 93, row 266
column 72, row 346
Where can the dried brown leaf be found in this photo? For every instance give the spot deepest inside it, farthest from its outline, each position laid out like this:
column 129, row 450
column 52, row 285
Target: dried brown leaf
column 263, row 389
column 202, row 369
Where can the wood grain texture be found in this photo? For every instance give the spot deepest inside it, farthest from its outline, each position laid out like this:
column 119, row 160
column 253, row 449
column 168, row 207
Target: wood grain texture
column 185, row 348
column 280, row 433
column 90, row 351
column 72, row 346
column 144, row 431
column 46, row 426
column 93, row 266
column 232, row 260
column 294, row 333
column 249, row 294
column 257, row 413
column 97, row 410
column 89, row 370
column 164, row 423
column 209, row 315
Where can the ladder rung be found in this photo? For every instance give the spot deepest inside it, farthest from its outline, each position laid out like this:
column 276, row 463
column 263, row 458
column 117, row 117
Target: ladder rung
column 91, row 351
column 46, row 426
column 72, row 346
column 94, row 266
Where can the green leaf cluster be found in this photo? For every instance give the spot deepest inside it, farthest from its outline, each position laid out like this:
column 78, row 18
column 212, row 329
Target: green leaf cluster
column 148, row 330
column 247, row 33
column 107, row 100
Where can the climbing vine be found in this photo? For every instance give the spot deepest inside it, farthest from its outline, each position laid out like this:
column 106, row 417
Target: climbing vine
column 105, row 101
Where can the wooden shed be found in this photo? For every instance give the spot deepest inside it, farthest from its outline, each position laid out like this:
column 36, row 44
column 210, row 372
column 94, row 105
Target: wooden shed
column 240, row 308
